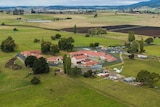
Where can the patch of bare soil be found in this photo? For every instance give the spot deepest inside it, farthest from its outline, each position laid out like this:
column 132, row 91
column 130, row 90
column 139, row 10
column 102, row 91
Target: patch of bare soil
column 11, row 64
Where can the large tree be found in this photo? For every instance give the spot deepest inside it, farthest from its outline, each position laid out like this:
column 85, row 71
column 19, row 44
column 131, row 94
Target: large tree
column 45, row 47
column 66, row 64
column 66, row 44
column 54, row 49
column 147, row 78
column 29, row 61
column 8, row 45
column 40, row 66
column 133, row 48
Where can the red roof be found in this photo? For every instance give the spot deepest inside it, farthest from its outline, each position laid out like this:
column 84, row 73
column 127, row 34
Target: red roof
column 110, row 58
column 54, row 58
column 90, row 63
column 82, row 57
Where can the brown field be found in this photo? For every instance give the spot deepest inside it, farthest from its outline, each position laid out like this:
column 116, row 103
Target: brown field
column 139, row 30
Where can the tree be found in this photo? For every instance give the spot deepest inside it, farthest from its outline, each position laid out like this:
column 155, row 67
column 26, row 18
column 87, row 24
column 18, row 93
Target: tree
column 68, row 65
column 57, row 36
column 54, row 49
column 35, row 80
column 133, row 47
column 66, row 44
column 131, row 37
column 64, row 63
column 147, row 78
column 40, row 66
column 45, row 47
column 29, row 61
column 149, row 40
column 141, row 45
column 75, row 29
column 75, row 71
column 36, row 40
column 8, row 45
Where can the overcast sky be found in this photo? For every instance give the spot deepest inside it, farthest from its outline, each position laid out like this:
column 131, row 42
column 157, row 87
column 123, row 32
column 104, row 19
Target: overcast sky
column 66, row 2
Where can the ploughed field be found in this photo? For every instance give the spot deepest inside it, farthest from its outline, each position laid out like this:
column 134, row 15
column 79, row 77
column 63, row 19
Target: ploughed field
column 140, row 30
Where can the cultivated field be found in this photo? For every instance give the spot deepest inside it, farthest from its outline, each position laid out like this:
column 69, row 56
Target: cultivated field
column 62, row 90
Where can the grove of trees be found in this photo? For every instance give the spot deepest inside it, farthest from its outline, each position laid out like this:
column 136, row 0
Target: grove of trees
column 134, row 46
column 66, row 44
column 48, row 47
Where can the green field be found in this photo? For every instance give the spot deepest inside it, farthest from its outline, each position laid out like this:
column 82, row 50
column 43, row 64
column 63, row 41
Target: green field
column 62, row 90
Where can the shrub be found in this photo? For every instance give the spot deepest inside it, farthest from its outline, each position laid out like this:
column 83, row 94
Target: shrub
column 53, row 37
column 57, row 36
column 36, row 40
column 35, row 80
column 87, row 35
column 15, row 29
column 3, row 24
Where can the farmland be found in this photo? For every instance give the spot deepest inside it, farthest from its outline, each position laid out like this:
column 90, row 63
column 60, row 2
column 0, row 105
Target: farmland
column 65, row 91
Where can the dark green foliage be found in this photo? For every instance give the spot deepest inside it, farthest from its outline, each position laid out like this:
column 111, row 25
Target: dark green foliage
column 93, row 45
column 147, row 78
column 87, row 35
column 3, row 24
column 64, row 63
column 15, row 29
column 54, row 49
column 75, row 71
column 133, row 47
column 53, row 37
column 141, row 45
column 66, row 44
column 131, row 56
column 75, row 29
column 45, row 47
column 29, row 61
column 8, row 45
column 149, row 40
column 67, row 64
column 57, row 36
column 35, row 80
column 88, row 74
column 40, row 66
column 131, row 37
column 36, row 40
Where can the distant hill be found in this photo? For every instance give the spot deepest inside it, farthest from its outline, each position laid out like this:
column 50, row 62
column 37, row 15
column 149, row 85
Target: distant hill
column 151, row 3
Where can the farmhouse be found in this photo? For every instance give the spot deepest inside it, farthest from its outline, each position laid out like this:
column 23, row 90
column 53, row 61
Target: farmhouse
column 55, row 60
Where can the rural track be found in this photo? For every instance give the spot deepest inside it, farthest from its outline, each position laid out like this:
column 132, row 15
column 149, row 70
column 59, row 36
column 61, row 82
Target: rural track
column 126, row 28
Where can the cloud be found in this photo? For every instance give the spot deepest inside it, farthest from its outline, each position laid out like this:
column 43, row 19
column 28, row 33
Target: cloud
column 65, row 2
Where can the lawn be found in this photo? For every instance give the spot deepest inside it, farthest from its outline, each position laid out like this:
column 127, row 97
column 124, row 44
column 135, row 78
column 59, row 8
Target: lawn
column 53, row 91
column 131, row 95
